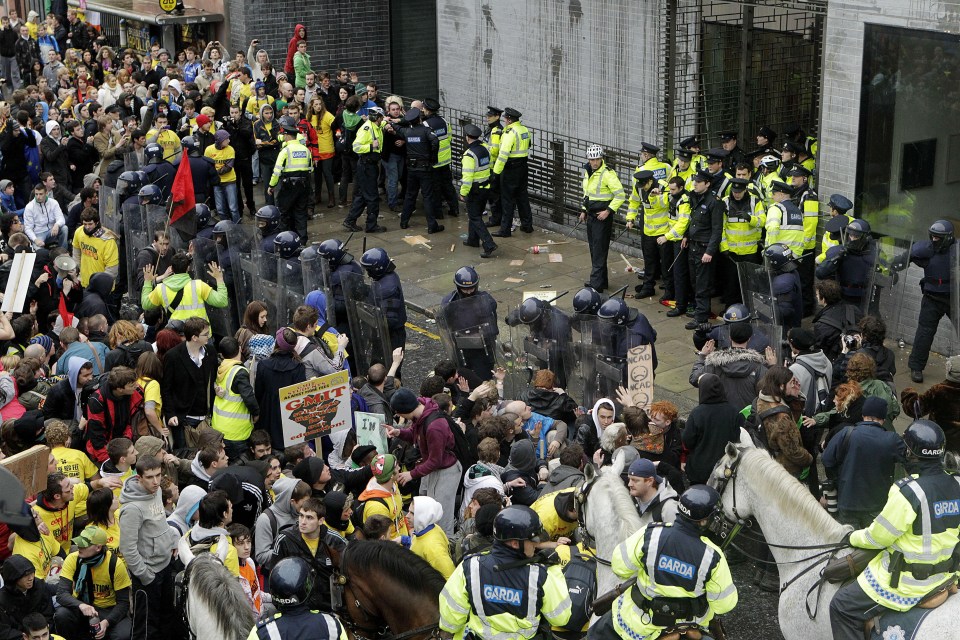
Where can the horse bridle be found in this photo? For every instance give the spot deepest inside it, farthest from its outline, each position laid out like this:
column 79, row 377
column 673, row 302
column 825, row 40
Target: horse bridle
column 580, row 499
column 342, row 582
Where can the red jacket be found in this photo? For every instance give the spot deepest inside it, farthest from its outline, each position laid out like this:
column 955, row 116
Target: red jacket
column 108, row 417
column 310, row 135
column 292, row 49
column 435, row 441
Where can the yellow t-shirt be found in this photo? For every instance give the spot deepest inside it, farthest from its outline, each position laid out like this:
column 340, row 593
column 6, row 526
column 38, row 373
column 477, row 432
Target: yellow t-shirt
column 73, row 463
column 311, row 544
column 232, row 562
column 60, row 522
column 151, row 393
column 96, row 253
column 39, row 553
column 220, row 157
column 104, row 589
column 169, row 141
column 324, row 127
column 113, row 532
column 123, row 478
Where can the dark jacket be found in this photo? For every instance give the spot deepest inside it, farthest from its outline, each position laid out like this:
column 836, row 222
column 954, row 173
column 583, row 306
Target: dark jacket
column 16, row 604
column 95, row 297
column 108, row 418
column 863, row 459
column 706, row 220
column 738, row 370
column 829, row 324
column 941, row 403
column 186, row 388
column 127, row 354
column 562, row 477
column 548, row 402
column 435, row 440
column 243, row 480
column 84, row 157
column 277, row 371
column 56, row 160
column 241, row 137
column 711, row 425
column 8, row 42
column 290, row 544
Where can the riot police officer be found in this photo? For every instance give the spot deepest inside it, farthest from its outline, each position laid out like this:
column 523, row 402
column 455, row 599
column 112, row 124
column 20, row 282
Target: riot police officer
column 491, row 140
column 512, row 168
column 639, row 331
column 340, row 263
column 202, row 170
column 475, row 168
column 916, row 533
column 515, row 592
column 735, row 313
column 785, row 284
column 703, row 243
column 130, row 192
column 549, row 329
column 422, row 149
column 150, row 194
column 293, row 174
column 291, row 583
column 937, row 257
column 443, row 178
column 204, row 221
column 482, row 313
column 158, row 169
column 387, row 287
column 268, row 224
column 287, row 246
column 587, row 301
column 690, row 580
column 839, row 208
column 852, row 263
column 602, row 197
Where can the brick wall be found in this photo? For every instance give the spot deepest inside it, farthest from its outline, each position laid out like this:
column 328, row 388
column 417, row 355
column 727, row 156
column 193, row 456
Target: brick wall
column 341, row 33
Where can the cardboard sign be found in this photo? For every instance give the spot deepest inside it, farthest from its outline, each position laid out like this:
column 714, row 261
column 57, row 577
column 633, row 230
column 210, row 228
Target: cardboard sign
column 541, row 295
column 20, row 271
column 640, row 375
column 370, row 430
column 30, row 468
column 315, row 408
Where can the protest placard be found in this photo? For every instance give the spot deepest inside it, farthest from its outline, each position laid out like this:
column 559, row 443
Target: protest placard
column 30, row 468
column 370, row 430
column 315, row 408
column 640, row 375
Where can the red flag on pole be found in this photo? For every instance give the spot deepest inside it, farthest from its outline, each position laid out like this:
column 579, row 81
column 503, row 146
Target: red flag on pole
column 182, row 193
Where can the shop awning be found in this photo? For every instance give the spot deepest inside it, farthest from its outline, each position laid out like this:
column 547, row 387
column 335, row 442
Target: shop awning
column 149, row 12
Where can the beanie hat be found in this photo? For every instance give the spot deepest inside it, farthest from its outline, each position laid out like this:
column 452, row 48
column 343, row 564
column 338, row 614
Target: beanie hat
column 362, row 452
column 802, row 339
column 260, row 346
column 483, row 521
column 403, row 400
column 221, row 136
column 282, row 344
column 309, row 470
column 875, row 407
column 740, row 332
column 202, row 119
column 149, row 445
column 383, row 466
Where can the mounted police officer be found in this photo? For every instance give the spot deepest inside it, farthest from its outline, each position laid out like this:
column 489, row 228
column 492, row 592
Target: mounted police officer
column 916, row 533
column 293, row 174
column 548, row 326
column 475, row 169
column 340, row 263
column 291, row 582
column 422, row 148
column 690, row 581
column 505, row 592
column 785, row 283
column 483, row 314
column 852, row 263
column 936, row 256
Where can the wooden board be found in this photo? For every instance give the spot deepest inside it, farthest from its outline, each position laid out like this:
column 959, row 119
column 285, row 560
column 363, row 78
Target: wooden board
column 30, row 468
column 640, row 376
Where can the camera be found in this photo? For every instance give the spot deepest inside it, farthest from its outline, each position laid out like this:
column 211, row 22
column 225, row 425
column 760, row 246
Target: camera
column 852, row 341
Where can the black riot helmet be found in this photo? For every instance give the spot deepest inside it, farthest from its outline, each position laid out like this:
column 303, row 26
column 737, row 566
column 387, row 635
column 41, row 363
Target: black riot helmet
column 530, row 310
column 698, row 503
column 780, row 257
column 587, row 301
column 925, row 440
column 466, row 278
column 286, row 244
column 615, row 310
column 203, row 215
column 517, row 523
column 941, row 233
column 291, row 582
column 332, row 250
column 269, row 216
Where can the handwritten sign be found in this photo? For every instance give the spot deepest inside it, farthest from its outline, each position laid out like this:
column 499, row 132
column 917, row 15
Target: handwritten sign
column 546, row 296
column 640, row 375
column 370, row 430
column 315, row 408
column 30, row 468
column 16, row 294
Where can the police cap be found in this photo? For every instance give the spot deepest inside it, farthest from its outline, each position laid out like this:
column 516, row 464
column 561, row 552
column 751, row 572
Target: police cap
column 643, row 175
column 432, row 104
column 840, row 203
column 412, row 115
column 836, row 224
column 782, row 187
column 512, row 113
column 792, row 129
column 799, row 170
column 738, row 184
column 686, row 154
column 750, row 155
column 493, row 111
column 728, row 135
column 702, row 176
column 688, row 143
column 472, row 131
column 768, row 133
column 717, row 155
column 650, row 148
column 791, row 146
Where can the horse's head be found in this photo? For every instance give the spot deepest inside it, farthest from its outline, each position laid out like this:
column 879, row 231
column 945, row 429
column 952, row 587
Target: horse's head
column 724, row 479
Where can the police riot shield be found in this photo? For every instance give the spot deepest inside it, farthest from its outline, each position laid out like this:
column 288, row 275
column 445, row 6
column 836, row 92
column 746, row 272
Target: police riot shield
column 536, row 346
column 369, row 334
column 223, row 321
column 241, row 251
column 134, row 238
column 290, row 284
column 109, row 215
column 581, row 359
column 315, row 270
column 600, row 348
column 866, row 264
column 756, row 287
column 955, row 300
column 897, row 283
column 468, row 330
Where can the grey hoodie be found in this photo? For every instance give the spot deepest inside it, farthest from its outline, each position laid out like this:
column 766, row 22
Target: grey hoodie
column 146, row 540
column 190, row 497
column 282, row 509
column 562, row 477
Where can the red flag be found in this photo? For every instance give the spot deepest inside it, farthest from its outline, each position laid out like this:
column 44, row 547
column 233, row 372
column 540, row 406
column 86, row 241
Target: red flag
column 64, row 313
column 182, row 193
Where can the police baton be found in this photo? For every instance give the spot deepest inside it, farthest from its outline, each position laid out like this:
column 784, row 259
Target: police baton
column 622, row 292
column 343, row 247
column 568, row 234
column 620, row 234
column 679, row 253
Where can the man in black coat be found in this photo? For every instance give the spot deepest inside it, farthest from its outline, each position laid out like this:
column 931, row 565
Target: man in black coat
column 22, row 594
column 241, row 139
column 187, row 387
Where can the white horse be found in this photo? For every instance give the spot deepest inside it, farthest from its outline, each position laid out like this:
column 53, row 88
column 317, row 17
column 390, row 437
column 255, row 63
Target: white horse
column 789, row 515
column 216, row 605
column 609, row 514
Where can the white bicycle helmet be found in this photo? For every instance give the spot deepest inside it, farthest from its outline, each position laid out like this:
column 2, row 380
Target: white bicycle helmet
column 594, row 152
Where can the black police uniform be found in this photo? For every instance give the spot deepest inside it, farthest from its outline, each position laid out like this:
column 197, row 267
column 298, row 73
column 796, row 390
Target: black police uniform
column 789, row 298
column 852, row 266
column 477, row 198
column 299, row 623
column 443, row 177
column 337, row 271
column 161, row 174
column 390, row 291
column 480, row 361
column 422, row 146
column 703, row 237
column 551, row 330
column 637, row 332
column 204, row 175
column 936, row 283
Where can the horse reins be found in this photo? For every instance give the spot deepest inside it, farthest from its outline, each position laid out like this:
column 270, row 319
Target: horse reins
column 580, row 498
column 380, row 633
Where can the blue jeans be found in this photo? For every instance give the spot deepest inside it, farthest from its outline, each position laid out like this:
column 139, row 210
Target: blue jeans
column 392, row 166
column 225, row 197
column 61, row 237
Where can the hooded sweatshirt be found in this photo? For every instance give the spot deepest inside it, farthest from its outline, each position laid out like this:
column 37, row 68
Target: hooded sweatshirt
column 523, row 464
column 562, row 477
column 146, row 540
column 479, row 476
column 336, row 459
column 818, row 362
column 738, row 369
column 214, row 536
column 152, row 298
column 429, row 540
column 292, row 49
column 187, row 505
column 16, row 604
column 711, row 425
column 435, row 441
column 281, row 512
column 63, row 401
column 95, row 296
column 84, row 351
column 588, row 433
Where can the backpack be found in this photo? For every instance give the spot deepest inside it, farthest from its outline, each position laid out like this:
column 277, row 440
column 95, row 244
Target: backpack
column 818, row 395
column 461, row 446
column 357, row 517
column 581, row 576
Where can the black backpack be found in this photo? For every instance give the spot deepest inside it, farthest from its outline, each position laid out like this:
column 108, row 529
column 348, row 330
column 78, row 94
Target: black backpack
column 461, row 446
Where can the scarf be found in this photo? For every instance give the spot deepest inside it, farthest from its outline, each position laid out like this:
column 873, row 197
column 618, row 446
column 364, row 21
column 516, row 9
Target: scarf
column 83, row 585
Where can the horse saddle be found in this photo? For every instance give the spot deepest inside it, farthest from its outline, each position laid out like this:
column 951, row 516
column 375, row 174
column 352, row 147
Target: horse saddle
column 907, row 622
column 688, row 631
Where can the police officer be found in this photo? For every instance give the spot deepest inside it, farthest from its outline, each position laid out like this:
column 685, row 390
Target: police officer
column 767, row 172
column 683, row 168
column 735, row 313
column 287, row 246
column 387, row 287
column 291, row 583
column 150, row 194
column 132, row 181
column 367, row 144
column 602, row 197
column 422, row 148
column 202, row 170
column 690, row 579
column 646, row 194
column 698, row 161
column 703, row 243
column 491, row 140
column 159, row 171
column 443, row 178
column 784, row 223
column 719, row 178
column 587, row 301
column 788, row 159
column 728, row 140
column 463, row 320
column 475, row 170
column 807, row 201
column 795, row 133
column 917, row 534
column 340, row 263
column 204, row 221
column 511, row 166
column 549, row 327
column 293, row 173
column 840, row 207
column 504, row 592
column 786, row 284
column 638, row 332
column 766, row 140
column 268, row 224
column 937, row 257
column 852, row 263
column 740, row 241
column 675, row 241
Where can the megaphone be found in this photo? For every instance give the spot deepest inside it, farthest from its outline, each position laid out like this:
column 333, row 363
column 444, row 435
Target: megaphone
column 65, row 266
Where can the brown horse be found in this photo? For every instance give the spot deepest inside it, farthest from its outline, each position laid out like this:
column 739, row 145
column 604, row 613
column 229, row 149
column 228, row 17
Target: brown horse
column 388, row 592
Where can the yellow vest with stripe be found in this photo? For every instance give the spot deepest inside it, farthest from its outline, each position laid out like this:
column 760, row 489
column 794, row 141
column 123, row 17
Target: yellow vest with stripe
column 514, row 145
column 474, row 170
column 810, row 207
column 779, row 230
column 492, row 142
column 294, row 158
column 230, row 414
column 686, row 176
column 363, row 143
column 679, row 217
column 828, row 242
column 191, row 304
column 743, row 238
column 603, row 185
column 553, row 524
